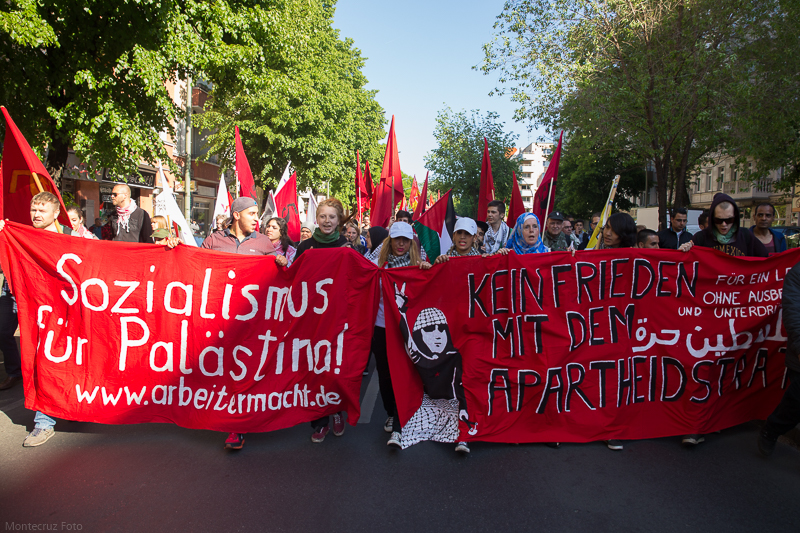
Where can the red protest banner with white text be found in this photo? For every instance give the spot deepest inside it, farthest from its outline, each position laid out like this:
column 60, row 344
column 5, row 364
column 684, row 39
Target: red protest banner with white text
column 617, row 344
column 126, row 333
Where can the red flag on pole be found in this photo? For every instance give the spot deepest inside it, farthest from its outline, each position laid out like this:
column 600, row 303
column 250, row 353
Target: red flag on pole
column 516, row 207
column 486, row 191
column 286, row 207
column 413, row 196
column 390, row 186
column 422, row 204
column 243, row 173
column 368, row 185
column 362, row 196
column 545, row 196
column 24, row 176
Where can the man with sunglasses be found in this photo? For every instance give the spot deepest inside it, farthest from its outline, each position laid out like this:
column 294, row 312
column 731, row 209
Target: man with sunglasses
column 724, row 234
column 130, row 223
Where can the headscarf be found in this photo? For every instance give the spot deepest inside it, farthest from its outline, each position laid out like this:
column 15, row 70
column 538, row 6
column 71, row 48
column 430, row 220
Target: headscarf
column 517, row 242
column 377, row 235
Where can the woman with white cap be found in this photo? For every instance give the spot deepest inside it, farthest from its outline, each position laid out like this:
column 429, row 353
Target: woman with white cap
column 307, row 230
column 330, row 214
column 397, row 250
column 463, row 241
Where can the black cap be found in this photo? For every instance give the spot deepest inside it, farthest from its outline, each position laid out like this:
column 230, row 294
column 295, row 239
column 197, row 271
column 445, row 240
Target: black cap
column 557, row 215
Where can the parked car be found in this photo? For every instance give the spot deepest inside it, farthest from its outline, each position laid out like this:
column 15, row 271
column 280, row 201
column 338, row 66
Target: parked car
column 787, row 230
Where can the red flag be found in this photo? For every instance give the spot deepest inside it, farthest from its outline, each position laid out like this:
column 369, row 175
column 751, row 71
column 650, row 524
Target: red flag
column 286, row 207
column 486, row 192
column 362, row 196
column 243, row 173
column 545, row 198
column 24, row 176
column 368, row 185
column 413, row 196
column 390, row 187
column 516, row 207
column 422, row 204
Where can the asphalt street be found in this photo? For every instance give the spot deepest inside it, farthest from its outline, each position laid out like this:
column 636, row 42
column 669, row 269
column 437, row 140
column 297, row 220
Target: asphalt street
column 160, row 477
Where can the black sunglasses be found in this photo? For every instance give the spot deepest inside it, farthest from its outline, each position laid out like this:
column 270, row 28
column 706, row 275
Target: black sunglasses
column 725, row 220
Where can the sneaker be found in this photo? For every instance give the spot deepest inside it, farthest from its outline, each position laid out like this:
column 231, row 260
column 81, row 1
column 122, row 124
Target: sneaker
column 388, row 425
column 235, row 441
column 394, row 440
column 365, row 373
column 10, row 382
column 462, row 447
column 38, row 436
column 692, row 440
column 614, row 444
column 319, row 434
column 555, row 445
column 765, row 445
column 338, row 424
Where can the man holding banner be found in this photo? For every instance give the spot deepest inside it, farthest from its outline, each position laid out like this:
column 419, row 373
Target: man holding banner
column 44, row 212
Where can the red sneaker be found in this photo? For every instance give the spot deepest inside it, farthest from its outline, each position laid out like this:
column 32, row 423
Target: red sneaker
column 338, row 424
column 319, row 434
column 235, row 441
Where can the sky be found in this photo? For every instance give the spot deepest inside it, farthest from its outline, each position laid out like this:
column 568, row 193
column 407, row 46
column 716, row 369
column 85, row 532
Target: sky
column 420, row 56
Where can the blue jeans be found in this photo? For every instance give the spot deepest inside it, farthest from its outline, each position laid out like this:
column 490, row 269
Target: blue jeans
column 43, row 421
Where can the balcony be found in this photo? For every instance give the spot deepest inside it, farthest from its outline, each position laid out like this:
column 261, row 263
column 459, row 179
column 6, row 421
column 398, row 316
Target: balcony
column 741, row 190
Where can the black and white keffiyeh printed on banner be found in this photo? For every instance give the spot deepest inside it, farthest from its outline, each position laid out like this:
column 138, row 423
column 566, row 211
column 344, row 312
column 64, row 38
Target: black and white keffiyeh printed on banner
column 555, row 347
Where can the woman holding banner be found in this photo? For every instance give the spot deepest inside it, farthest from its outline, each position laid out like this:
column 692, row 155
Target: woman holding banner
column 619, row 232
column 397, row 250
column 277, row 231
column 330, row 214
column 526, row 237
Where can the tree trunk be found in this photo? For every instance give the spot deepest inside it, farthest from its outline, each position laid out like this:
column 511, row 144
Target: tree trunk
column 661, row 190
column 57, row 154
column 681, row 196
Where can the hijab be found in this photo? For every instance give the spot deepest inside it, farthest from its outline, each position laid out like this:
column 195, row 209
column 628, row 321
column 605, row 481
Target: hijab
column 517, row 242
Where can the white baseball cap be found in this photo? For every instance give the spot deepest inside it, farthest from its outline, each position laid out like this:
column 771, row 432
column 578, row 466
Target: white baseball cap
column 401, row 229
column 467, row 224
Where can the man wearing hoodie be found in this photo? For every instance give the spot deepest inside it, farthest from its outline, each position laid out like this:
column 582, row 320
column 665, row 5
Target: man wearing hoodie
column 724, row 234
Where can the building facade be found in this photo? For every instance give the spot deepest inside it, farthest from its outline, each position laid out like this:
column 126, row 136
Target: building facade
column 92, row 191
column 534, row 160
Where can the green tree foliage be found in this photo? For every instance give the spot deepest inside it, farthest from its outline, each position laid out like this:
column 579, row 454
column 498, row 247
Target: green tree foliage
column 586, row 173
column 456, row 162
column 660, row 79
column 312, row 110
column 90, row 75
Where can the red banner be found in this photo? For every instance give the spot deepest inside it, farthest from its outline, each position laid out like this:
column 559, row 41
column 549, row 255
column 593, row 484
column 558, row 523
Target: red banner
column 126, row 333
column 581, row 347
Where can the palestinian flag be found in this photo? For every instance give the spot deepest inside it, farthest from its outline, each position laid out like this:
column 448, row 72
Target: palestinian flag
column 436, row 226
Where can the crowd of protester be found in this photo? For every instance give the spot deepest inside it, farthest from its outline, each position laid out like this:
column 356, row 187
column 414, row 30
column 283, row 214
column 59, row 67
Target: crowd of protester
column 398, row 246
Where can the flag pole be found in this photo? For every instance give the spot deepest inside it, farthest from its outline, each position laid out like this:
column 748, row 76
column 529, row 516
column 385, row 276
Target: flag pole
column 393, row 184
column 549, row 196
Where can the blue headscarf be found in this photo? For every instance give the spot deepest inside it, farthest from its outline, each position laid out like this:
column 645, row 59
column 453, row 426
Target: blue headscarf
column 517, row 243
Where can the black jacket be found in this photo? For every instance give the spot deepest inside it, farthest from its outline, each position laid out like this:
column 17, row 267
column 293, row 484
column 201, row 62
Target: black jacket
column 744, row 243
column 791, row 316
column 668, row 238
column 139, row 228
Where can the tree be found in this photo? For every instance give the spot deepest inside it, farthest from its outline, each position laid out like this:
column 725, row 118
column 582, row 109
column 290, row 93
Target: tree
column 315, row 112
column 456, row 162
column 654, row 78
column 90, row 75
column 586, row 173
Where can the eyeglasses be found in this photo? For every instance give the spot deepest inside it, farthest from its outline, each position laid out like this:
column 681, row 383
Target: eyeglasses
column 725, row 220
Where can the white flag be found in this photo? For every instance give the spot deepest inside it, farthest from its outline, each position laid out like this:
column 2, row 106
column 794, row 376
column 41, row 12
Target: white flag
column 311, row 212
column 223, row 205
column 287, row 174
column 166, row 206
